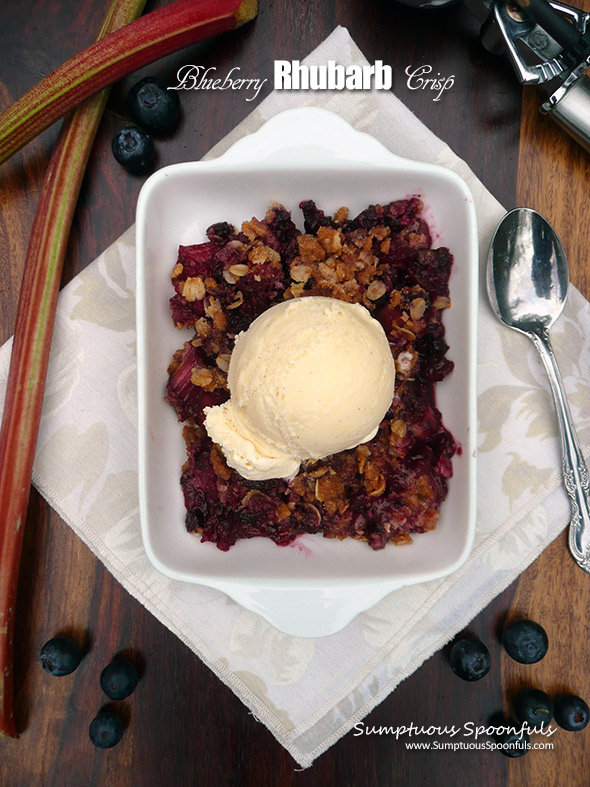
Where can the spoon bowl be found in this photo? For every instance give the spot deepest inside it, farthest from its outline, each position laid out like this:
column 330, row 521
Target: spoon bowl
column 527, row 272
column 527, row 280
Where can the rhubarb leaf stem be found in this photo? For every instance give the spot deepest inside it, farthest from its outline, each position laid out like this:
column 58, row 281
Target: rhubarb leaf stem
column 32, row 340
column 156, row 34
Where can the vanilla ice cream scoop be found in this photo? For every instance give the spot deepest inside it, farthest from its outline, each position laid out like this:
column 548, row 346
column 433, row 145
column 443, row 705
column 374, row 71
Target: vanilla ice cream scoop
column 310, row 377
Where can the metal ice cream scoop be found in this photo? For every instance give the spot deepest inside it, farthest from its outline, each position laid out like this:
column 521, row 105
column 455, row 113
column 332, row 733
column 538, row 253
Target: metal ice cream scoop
column 527, row 281
column 548, row 44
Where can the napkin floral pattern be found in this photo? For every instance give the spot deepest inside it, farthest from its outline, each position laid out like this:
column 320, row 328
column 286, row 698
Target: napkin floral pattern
column 86, row 468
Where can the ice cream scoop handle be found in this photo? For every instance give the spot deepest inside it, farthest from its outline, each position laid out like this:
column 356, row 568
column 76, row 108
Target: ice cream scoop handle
column 575, row 472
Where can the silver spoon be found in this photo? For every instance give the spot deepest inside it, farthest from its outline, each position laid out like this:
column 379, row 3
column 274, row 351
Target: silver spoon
column 527, row 284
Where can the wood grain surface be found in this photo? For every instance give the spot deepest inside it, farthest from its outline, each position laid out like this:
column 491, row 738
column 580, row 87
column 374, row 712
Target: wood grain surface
column 184, row 726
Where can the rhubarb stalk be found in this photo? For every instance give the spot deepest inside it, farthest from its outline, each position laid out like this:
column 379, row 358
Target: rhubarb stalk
column 32, row 339
column 156, row 34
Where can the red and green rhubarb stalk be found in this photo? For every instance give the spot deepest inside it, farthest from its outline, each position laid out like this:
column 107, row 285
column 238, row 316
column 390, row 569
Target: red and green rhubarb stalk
column 32, row 339
column 156, row 34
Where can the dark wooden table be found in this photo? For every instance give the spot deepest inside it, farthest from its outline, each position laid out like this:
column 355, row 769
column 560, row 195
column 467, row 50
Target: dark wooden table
column 186, row 727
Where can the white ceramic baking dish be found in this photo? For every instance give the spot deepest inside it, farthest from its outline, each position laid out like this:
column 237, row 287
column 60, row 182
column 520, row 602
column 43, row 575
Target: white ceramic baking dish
column 315, row 586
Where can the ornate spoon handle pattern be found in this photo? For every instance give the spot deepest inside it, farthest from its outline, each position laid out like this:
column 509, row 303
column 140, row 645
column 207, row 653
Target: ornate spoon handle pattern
column 575, row 472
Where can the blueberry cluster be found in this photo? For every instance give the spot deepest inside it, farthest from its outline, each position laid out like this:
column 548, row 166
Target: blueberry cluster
column 155, row 110
column 61, row 655
column 526, row 642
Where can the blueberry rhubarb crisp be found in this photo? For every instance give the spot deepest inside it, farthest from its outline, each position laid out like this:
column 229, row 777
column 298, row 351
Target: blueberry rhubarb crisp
column 384, row 489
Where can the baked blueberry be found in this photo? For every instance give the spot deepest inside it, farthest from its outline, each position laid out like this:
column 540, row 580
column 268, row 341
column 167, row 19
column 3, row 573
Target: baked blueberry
column 514, row 742
column 119, row 678
column 470, row 659
column 152, row 106
column 571, row 712
column 525, row 641
column 105, row 730
column 134, row 149
column 534, row 707
column 60, row 656
column 220, row 232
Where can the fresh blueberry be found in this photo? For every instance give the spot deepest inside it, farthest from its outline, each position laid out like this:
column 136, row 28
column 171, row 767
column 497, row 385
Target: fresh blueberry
column 60, row 656
column 105, row 730
column 533, row 707
column 514, row 742
column 134, row 149
column 152, row 105
column 119, row 679
column 525, row 641
column 571, row 712
column 470, row 659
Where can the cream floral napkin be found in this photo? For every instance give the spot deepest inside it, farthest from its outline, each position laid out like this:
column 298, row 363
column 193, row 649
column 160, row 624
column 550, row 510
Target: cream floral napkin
column 86, row 468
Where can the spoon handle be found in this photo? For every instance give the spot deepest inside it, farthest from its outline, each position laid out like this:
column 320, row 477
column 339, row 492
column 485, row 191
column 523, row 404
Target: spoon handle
column 575, row 472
